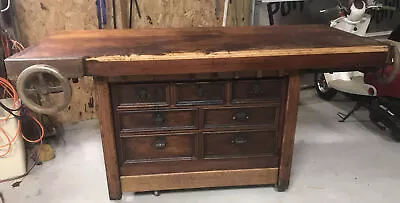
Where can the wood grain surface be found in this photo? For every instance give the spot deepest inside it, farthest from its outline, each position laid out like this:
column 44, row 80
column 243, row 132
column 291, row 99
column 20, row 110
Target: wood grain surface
column 289, row 131
column 201, row 179
column 142, row 50
column 103, row 102
column 161, row 42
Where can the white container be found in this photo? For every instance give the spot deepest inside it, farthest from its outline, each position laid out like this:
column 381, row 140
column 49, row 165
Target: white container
column 14, row 164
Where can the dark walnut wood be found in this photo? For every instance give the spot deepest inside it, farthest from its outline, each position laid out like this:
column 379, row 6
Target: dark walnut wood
column 289, row 131
column 233, row 117
column 104, row 112
column 159, row 42
column 202, row 50
column 212, row 133
column 127, row 96
column 158, row 147
column 252, row 91
column 239, row 144
column 157, row 119
column 199, row 107
column 207, row 93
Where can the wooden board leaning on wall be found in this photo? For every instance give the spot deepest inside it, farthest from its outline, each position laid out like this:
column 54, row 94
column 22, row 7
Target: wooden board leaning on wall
column 37, row 19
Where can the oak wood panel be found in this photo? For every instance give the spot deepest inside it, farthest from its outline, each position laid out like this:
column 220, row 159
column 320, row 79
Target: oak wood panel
column 200, row 93
column 239, row 144
column 320, row 62
column 250, row 91
column 289, row 131
column 159, row 147
column 173, row 166
column 139, row 95
column 202, row 179
column 104, row 113
column 157, row 119
column 241, row 116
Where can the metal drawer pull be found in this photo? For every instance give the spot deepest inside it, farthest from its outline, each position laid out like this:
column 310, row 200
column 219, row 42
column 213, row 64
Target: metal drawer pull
column 257, row 90
column 158, row 118
column 143, row 94
column 200, row 91
column 239, row 139
column 160, row 143
column 240, row 116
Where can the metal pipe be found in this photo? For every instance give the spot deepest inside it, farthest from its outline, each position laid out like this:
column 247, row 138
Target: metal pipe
column 226, row 5
column 253, row 7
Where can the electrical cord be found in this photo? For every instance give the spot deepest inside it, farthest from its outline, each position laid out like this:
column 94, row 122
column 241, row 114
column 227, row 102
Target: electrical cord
column 17, row 110
column 20, row 113
column 7, row 7
column 11, row 111
column 35, row 162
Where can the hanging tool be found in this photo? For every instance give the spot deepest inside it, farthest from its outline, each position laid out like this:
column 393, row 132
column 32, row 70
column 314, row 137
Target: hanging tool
column 101, row 13
column 114, row 17
column 104, row 11
column 217, row 9
column 137, row 9
column 130, row 13
column 98, row 9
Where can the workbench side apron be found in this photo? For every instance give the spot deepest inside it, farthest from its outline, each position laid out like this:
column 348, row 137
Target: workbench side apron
column 104, row 113
column 289, row 130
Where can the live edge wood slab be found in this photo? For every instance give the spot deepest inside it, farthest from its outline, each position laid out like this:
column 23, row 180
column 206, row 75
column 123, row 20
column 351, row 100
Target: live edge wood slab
column 198, row 107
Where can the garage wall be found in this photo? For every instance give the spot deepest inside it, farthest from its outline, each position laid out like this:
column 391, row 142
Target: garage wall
column 37, row 19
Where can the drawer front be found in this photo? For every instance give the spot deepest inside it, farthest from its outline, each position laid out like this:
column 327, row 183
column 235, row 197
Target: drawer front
column 198, row 93
column 125, row 95
column 152, row 120
column 158, row 147
column 240, row 116
column 239, row 144
column 249, row 91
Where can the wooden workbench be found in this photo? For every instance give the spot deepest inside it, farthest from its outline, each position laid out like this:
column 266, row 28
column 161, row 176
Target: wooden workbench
column 198, row 107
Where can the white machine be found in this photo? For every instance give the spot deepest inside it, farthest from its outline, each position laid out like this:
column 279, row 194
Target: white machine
column 14, row 163
column 356, row 21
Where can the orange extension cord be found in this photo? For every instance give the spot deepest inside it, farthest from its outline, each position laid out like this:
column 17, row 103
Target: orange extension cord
column 10, row 91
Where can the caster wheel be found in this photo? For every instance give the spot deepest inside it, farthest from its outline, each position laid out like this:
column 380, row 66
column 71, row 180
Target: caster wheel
column 280, row 188
column 156, row 193
column 323, row 90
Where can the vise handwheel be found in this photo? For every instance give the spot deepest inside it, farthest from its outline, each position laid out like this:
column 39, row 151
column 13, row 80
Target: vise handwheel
column 43, row 89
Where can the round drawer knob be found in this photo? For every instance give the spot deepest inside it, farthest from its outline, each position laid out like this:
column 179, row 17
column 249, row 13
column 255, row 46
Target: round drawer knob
column 160, row 143
column 240, row 116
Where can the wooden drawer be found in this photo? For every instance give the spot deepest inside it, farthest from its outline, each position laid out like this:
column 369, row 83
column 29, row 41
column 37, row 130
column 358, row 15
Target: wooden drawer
column 198, row 93
column 127, row 95
column 158, row 147
column 265, row 116
column 239, row 144
column 157, row 119
column 250, row 91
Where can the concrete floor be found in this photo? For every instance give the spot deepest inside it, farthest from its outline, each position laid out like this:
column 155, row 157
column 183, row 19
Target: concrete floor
column 333, row 162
